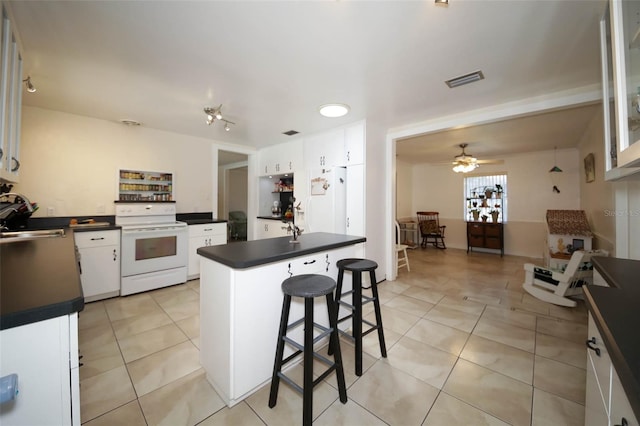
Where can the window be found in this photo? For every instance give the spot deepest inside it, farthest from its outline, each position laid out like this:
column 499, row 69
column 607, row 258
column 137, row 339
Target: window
column 485, row 194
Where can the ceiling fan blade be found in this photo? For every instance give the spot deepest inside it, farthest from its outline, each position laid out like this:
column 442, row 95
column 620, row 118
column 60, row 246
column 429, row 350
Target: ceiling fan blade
column 490, row 161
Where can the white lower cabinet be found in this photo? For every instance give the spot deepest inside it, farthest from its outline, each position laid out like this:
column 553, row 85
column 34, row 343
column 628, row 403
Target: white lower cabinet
column 203, row 235
column 606, row 402
column 266, row 228
column 44, row 355
column 99, row 263
column 239, row 315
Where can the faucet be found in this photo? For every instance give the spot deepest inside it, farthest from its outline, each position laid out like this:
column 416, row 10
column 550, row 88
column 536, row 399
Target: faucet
column 295, row 230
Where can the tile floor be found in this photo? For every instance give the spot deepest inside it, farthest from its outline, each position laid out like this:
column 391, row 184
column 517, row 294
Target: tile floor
column 465, row 345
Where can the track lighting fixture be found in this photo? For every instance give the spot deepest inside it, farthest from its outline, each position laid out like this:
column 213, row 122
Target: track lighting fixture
column 214, row 114
column 30, row 87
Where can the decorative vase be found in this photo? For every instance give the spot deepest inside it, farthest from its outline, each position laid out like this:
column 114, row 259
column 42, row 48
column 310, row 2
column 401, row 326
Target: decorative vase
column 487, row 193
column 494, row 216
column 484, row 217
column 476, row 215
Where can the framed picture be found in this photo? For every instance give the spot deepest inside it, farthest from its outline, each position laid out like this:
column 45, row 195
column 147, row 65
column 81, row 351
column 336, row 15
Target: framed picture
column 589, row 168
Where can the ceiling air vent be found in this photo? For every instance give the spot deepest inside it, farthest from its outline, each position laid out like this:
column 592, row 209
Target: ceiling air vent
column 290, row 132
column 465, row 79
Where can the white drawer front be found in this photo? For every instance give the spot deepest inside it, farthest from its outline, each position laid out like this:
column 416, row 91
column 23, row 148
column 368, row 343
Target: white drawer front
column 97, row 238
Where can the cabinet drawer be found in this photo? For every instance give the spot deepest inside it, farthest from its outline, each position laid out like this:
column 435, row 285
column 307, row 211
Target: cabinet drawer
column 602, row 362
column 476, row 241
column 97, row 238
column 312, row 264
column 208, row 229
column 493, row 243
column 492, row 230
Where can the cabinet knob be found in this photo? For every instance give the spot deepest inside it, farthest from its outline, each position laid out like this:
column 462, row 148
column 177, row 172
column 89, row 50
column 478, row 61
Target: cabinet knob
column 593, row 348
column 115, row 255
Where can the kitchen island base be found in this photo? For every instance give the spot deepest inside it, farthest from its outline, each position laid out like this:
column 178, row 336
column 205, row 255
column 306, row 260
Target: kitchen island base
column 240, row 312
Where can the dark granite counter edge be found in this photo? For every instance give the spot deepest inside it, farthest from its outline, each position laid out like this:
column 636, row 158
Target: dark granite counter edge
column 16, row 319
column 275, row 257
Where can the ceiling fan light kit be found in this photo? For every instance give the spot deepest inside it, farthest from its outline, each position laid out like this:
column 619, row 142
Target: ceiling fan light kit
column 464, row 163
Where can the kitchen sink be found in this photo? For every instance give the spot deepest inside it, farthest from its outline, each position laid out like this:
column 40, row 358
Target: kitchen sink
column 10, row 236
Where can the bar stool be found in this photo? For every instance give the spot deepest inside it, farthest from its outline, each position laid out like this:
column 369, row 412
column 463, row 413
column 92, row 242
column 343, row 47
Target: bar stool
column 308, row 286
column 357, row 267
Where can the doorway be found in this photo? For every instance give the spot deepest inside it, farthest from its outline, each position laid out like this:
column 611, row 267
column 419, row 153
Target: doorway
column 233, row 192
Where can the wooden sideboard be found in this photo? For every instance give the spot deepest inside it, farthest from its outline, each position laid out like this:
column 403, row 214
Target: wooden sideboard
column 485, row 235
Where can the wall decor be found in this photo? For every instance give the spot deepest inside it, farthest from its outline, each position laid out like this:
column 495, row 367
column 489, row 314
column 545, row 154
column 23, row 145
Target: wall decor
column 589, row 168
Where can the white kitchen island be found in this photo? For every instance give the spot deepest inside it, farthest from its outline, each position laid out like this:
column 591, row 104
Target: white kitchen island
column 241, row 303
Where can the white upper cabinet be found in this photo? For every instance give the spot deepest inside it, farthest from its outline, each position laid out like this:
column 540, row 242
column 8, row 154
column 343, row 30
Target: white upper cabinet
column 10, row 101
column 354, row 144
column 281, row 159
column 625, row 58
column 325, row 149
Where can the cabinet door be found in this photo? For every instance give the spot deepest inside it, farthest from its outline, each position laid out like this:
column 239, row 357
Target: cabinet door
column 355, row 200
column 620, row 406
column 625, row 35
column 270, row 229
column 595, row 407
column 324, row 150
column 100, row 271
column 39, row 354
column 354, row 144
column 601, row 362
column 99, row 263
column 204, row 235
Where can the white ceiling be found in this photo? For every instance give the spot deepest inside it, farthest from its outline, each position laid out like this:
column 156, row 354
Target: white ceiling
column 271, row 64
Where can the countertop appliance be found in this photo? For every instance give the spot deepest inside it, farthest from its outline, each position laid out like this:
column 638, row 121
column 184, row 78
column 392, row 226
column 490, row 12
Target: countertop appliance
column 154, row 246
column 15, row 209
column 327, row 205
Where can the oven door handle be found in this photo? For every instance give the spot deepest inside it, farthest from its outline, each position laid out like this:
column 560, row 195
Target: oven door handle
column 154, row 230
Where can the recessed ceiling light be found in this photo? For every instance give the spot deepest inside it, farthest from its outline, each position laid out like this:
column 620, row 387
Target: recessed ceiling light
column 334, row 110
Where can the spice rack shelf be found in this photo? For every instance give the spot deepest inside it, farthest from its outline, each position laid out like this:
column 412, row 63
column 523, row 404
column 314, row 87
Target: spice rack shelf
column 136, row 185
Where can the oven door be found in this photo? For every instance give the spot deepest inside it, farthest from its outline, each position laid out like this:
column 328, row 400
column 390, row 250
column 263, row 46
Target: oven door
column 152, row 248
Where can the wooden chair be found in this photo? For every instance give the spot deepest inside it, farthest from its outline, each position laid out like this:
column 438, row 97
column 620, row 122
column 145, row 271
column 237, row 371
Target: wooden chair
column 555, row 286
column 430, row 229
column 401, row 261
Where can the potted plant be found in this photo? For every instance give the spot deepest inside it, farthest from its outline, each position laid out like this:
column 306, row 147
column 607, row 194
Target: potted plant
column 476, row 214
column 488, row 191
column 494, row 215
column 498, row 191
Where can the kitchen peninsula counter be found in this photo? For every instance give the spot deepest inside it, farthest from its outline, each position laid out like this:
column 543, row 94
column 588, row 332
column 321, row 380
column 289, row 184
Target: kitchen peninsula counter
column 615, row 312
column 39, row 280
column 246, row 254
column 241, row 302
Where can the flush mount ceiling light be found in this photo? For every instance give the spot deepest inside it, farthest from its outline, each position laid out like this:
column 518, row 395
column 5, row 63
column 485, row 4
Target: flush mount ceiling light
column 214, row 114
column 442, row 1
column 334, row 110
column 30, row 87
column 464, row 163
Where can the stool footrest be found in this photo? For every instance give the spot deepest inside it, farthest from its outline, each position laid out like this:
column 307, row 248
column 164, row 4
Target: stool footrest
column 291, row 383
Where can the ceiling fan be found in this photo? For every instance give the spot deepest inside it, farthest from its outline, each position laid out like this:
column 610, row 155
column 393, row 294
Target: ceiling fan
column 465, row 163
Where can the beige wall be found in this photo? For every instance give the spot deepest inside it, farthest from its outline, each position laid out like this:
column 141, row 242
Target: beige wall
column 529, row 194
column 597, row 197
column 71, row 162
column 404, row 196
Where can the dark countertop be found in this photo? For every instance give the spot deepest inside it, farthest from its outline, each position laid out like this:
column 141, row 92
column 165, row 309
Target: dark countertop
column 198, row 218
column 245, row 254
column 277, row 218
column 615, row 312
column 39, row 280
